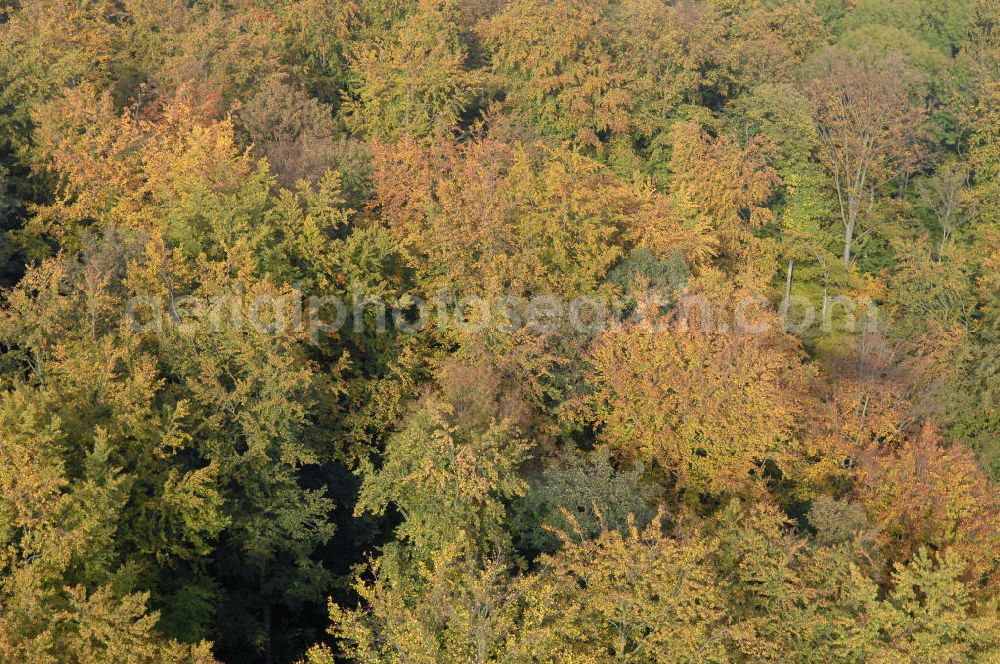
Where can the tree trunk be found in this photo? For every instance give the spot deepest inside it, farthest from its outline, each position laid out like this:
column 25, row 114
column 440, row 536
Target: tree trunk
column 788, row 289
column 853, row 203
column 268, row 648
column 822, row 316
column 848, row 240
column 266, row 619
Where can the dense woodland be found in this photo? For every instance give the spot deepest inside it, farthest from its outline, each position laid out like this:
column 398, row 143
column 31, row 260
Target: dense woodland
column 820, row 488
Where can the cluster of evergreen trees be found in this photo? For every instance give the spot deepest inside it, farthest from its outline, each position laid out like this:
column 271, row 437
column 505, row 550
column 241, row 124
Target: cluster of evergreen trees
column 507, row 491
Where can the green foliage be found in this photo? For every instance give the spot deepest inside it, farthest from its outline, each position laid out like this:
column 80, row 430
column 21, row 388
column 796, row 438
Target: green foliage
column 737, row 398
column 446, row 483
column 591, row 493
column 412, row 81
column 943, row 25
column 647, row 598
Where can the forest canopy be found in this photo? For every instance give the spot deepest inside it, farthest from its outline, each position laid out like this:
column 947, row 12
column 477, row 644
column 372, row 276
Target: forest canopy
column 499, row 331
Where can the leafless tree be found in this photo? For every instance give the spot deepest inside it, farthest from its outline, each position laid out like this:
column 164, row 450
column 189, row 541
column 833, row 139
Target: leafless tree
column 870, row 130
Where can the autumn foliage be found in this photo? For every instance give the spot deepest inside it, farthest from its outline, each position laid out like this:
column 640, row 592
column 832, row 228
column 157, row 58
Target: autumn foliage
column 499, row 331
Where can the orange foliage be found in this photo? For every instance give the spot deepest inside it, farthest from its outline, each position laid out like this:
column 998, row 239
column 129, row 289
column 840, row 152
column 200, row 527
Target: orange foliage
column 925, row 493
column 711, row 407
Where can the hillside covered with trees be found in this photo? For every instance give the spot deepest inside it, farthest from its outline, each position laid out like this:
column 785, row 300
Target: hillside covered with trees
column 429, row 331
